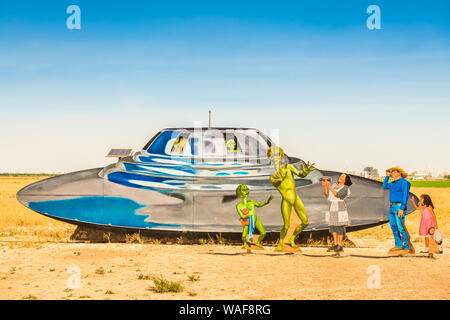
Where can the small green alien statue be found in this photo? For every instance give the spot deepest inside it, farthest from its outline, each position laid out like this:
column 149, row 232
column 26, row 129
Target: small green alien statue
column 249, row 219
column 283, row 180
column 232, row 146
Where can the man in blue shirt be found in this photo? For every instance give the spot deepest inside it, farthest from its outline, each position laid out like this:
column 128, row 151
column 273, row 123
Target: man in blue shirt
column 398, row 197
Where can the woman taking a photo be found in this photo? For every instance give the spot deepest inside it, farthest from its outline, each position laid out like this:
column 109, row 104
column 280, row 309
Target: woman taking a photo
column 337, row 215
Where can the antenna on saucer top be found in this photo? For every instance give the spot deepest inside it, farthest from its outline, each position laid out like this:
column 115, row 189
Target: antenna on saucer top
column 209, row 126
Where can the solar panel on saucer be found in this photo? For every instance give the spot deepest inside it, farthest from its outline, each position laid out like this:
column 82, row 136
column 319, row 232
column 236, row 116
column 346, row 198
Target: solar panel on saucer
column 119, row 153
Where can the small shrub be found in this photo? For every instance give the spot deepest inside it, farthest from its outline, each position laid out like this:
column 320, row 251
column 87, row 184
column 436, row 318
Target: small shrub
column 193, row 277
column 100, row 270
column 107, row 236
column 156, row 241
column 210, row 240
column 134, row 238
column 220, row 239
column 180, row 240
column 162, row 285
column 144, row 277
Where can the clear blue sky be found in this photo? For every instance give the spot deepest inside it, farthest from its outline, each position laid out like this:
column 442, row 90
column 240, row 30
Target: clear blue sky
column 340, row 95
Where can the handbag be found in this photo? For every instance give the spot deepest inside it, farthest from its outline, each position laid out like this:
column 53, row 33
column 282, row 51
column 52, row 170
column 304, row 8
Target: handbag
column 245, row 222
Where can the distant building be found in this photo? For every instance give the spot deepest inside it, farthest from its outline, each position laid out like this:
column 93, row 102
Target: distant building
column 420, row 175
column 370, row 173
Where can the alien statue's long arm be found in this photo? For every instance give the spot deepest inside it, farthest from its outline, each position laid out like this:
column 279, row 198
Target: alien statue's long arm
column 305, row 169
column 262, row 204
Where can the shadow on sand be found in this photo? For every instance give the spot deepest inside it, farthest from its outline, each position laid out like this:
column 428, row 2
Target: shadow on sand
column 249, row 253
column 314, row 255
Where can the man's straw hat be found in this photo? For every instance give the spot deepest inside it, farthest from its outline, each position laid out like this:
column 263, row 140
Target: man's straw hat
column 402, row 172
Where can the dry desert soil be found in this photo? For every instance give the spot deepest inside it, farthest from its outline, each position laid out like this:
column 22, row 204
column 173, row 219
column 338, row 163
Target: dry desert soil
column 38, row 261
column 125, row 271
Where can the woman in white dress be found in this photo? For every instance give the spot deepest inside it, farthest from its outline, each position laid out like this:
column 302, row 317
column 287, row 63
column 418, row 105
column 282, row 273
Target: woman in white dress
column 337, row 215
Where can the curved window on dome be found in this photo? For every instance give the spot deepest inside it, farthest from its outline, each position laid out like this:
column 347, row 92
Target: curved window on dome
column 213, row 143
column 252, row 143
column 179, row 144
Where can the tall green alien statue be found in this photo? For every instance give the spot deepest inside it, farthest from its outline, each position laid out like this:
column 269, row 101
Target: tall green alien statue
column 283, row 180
column 249, row 219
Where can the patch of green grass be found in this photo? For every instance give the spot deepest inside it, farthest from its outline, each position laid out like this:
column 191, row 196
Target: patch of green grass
column 162, row 285
column 29, row 297
column 431, row 184
column 192, row 294
column 109, row 292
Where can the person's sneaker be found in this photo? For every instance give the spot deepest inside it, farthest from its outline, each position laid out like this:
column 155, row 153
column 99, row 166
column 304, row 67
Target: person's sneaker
column 440, row 249
column 395, row 249
column 339, row 249
column 425, row 250
column 332, row 248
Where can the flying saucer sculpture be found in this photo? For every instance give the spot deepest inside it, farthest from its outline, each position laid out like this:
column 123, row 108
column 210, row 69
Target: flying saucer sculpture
column 184, row 179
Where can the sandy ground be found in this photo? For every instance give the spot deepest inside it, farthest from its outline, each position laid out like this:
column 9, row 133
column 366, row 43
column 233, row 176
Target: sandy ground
column 39, row 271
